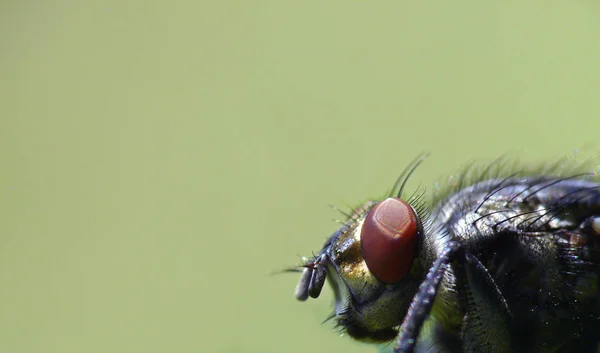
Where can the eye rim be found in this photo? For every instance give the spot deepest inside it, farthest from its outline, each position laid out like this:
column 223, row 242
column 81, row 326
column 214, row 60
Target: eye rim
column 388, row 239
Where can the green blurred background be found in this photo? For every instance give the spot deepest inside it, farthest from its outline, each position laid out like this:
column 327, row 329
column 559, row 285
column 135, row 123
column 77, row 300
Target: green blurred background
column 161, row 158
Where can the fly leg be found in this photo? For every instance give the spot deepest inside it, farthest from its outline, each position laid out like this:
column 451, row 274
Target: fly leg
column 487, row 320
column 421, row 305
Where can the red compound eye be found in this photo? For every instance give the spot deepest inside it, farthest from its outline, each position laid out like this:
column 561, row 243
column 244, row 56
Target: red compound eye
column 387, row 239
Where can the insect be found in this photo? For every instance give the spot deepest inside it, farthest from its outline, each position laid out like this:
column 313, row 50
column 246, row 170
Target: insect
column 498, row 262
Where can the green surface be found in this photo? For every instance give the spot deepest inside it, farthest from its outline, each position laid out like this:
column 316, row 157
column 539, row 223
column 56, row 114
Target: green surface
column 160, row 159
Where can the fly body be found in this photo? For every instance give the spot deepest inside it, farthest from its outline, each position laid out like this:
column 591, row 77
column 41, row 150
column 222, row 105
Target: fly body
column 498, row 263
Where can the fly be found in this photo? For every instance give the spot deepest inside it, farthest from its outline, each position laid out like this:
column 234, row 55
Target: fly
column 504, row 263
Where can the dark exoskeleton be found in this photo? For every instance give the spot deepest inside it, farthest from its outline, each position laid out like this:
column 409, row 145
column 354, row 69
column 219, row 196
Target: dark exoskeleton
column 505, row 264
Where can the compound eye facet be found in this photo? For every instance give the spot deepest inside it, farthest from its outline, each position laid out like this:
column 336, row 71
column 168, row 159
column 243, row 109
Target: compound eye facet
column 387, row 239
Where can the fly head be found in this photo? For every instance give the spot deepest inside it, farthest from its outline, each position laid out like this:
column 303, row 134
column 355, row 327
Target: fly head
column 373, row 267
